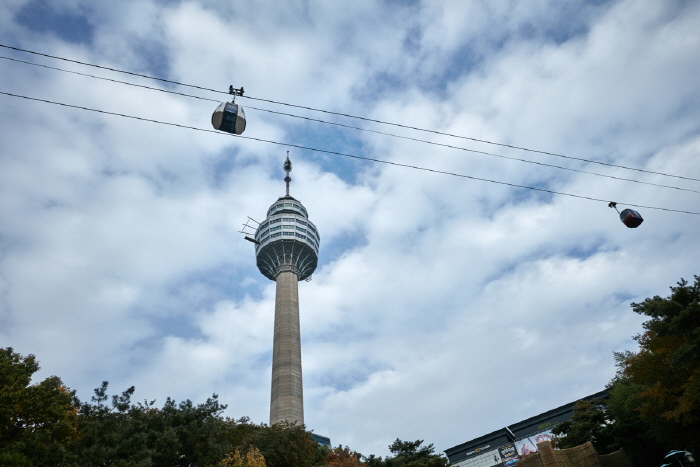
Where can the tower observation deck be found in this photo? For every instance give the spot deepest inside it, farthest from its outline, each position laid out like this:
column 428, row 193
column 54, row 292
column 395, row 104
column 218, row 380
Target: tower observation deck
column 288, row 240
column 286, row 251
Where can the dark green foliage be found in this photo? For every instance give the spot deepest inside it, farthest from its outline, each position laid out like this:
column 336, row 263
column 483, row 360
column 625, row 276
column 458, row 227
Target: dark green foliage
column 127, row 434
column 654, row 400
column 409, row 454
column 628, row 429
column 14, row 459
column 282, row 444
column 179, row 435
column 321, row 454
column 46, row 425
column 373, row 461
column 36, row 421
column 666, row 370
column 590, row 422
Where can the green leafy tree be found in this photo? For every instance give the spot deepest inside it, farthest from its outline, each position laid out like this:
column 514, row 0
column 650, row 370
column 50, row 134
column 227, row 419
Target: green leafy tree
column 628, row 429
column 590, row 422
column 373, row 461
column 117, row 432
column 124, row 434
column 37, row 421
column 282, row 444
column 409, row 454
column 666, row 369
column 654, row 400
column 46, row 425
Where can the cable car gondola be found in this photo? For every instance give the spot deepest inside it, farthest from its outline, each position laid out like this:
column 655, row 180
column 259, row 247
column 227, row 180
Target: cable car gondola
column 629, row 217
column 229, row 116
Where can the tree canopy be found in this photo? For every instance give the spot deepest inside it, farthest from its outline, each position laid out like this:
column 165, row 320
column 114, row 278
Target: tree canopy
column 590, row 422
column 667, row 365
column 37, row 421
column 45, row 424
column 409, row 454
column 654, row 400
column 342, row 457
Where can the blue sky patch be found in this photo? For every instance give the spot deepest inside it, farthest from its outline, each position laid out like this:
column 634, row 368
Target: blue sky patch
column 42, row 17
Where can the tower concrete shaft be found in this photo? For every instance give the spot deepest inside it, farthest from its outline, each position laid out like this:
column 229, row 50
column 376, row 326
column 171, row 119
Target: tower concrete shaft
column 287, row 401
column 286, row 250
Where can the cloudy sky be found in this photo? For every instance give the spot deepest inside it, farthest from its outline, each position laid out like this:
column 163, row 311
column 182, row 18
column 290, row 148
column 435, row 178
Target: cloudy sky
column 443, row 307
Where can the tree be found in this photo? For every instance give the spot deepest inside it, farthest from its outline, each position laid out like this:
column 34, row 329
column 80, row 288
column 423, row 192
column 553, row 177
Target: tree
column 125, row 434
column 666, row 369
column 283, row 444
column 590, row 422
column 45, row 424
column 36, row 421
column 654, row 399
column 409, row 454
column 628, row 429
column 252, row 458
column 342, row 457
column 610, row 424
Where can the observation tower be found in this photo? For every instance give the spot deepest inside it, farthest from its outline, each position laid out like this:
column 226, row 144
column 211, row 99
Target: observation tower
column 286, row 249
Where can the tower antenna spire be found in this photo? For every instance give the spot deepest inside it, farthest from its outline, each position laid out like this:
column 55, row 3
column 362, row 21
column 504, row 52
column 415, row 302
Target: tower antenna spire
column 287, row 168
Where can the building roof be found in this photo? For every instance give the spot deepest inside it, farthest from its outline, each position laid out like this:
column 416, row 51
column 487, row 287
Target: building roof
column 477, row 445
column 550, row 417
column 518, row 430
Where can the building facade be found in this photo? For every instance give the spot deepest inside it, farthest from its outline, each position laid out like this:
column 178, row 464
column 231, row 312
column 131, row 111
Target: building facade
column 502, row 447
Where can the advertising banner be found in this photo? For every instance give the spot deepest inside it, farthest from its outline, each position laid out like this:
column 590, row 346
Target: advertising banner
column 528, row 445
column 509, row 455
